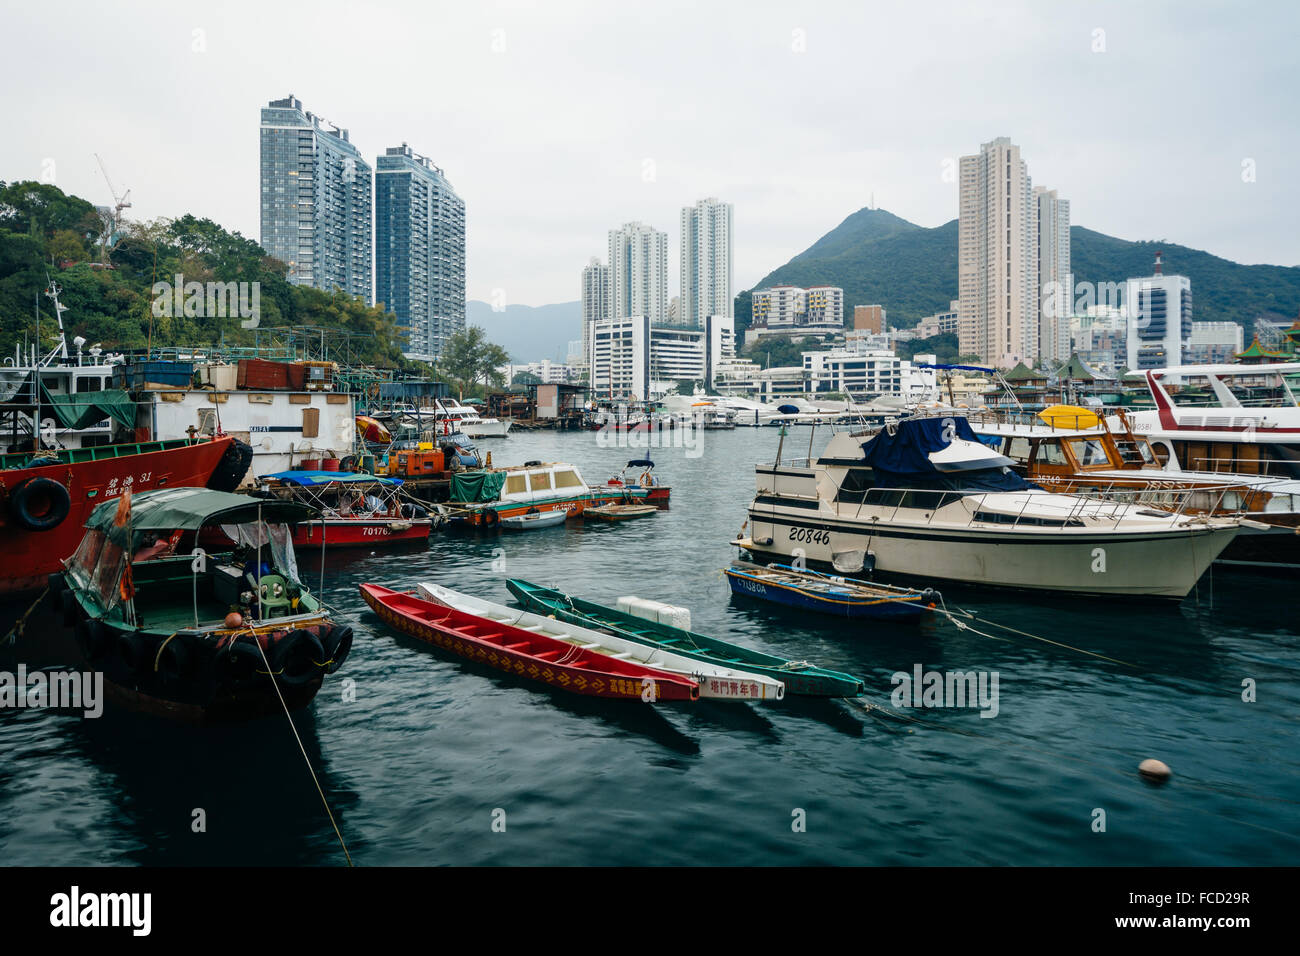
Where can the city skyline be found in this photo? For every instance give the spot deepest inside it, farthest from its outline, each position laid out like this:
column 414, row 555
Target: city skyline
column 794, row 165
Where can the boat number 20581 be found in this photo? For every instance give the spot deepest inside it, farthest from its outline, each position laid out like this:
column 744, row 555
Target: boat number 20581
column 810, row 535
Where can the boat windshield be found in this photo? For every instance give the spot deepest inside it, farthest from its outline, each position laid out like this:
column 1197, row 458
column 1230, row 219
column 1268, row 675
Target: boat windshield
column 1089, row 451
column 97, row 568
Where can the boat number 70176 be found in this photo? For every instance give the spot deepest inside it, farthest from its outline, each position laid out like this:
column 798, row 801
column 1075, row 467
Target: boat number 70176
column 810, row 535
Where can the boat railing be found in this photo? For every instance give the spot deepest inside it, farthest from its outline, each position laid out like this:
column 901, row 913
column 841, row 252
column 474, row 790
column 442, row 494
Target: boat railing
column 1109, row 505
column 1263, row 466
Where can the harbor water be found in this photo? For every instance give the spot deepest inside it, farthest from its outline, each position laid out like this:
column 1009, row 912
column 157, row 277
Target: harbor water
column 428, row 760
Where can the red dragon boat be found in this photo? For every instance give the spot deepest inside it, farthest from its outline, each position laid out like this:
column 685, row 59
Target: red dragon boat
column 525, row 653
column 46, row 497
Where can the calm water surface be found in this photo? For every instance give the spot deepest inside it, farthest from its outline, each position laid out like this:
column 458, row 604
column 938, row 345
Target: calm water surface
column 415, row 767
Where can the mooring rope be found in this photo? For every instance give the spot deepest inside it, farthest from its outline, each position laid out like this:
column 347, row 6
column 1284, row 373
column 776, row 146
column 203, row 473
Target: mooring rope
column 20, row 624
column 303, row 750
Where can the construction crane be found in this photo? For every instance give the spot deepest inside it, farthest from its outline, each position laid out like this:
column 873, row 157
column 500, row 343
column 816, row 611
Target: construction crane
column 119, row 202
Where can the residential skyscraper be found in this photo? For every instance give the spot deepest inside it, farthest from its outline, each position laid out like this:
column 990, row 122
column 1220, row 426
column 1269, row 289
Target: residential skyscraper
column 595, row 300
column 638, row 272
column 315, row 200
column 706, row 262
column 997, row 257
column 419, row 250
column 1055, row 283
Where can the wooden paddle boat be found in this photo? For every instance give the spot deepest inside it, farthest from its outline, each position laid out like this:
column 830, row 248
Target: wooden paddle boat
column 716, row 681
column 799, row 677
column 827, row 593
column 533, row 520
column 525, row 653
column 614, row 512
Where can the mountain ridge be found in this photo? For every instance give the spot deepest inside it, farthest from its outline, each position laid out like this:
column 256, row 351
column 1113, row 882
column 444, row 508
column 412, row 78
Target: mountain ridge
column 879, row 257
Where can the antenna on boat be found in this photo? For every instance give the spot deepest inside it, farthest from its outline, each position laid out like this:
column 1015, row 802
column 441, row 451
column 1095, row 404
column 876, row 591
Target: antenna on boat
column 59, row 308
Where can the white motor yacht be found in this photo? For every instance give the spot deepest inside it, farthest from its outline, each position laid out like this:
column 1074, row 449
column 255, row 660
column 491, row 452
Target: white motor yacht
column 925, row 498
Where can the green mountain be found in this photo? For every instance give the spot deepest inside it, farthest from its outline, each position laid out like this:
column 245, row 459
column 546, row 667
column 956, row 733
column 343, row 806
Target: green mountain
column 911, row 270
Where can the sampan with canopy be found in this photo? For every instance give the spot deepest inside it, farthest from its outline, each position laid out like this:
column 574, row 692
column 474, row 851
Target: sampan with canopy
column 102, row 557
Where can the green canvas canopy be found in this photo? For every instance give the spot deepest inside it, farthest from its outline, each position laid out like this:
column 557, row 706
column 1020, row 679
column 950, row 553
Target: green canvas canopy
column 86, row 408
column 80, row 410
column 188, row 509
column 477, row 486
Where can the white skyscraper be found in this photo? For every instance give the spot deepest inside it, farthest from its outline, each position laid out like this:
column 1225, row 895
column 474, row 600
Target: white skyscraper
column 595, row 300
column 638, row 272
column 997, row 257
column 1159, row 319
column 1055, row 284
column 706, row 262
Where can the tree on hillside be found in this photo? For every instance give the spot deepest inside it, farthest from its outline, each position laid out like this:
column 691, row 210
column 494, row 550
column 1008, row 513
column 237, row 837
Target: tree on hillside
column 41, row 209
column 42, row 228
column 468, row 358
column 776, row 352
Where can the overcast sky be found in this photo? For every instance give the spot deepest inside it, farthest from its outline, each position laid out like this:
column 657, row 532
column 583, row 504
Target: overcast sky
column 557, row 121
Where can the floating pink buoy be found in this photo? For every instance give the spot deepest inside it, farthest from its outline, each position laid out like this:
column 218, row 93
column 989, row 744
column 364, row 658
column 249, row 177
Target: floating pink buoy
column 234, row 619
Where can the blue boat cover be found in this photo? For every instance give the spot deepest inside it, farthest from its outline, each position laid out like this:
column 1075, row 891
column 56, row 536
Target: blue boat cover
column 308, row 479
column 902, row 460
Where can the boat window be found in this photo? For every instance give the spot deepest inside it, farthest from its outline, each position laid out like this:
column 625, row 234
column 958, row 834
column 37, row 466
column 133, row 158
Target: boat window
column 1089, row 451
column 1135, row 452
column 539, row 481
column 923, row 500
column 1018, row 450
column 1050, row 453
column 107, row 575
column 515, row 485
column 567, row 479
column 885, row 497
column 856, row 483
column 83, row 563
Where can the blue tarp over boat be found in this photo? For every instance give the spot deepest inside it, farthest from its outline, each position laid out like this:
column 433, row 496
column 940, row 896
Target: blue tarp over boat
column 901, row 458
column 309, row 479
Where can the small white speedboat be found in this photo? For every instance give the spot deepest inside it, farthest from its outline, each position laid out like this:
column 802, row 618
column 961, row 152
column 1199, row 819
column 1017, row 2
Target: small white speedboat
column 534, row 519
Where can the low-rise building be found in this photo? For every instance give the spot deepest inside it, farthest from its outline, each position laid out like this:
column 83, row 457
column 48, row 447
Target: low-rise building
column 633, row 360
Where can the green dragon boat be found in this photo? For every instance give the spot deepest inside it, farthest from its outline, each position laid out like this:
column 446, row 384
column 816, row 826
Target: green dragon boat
column 799, row 677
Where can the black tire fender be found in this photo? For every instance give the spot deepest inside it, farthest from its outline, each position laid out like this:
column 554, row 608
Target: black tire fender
column 135, row 651
column 26, row 500
column 92, row 638
column 173, row 660
column 297, row 658
column 338, row 645
column 238, row 663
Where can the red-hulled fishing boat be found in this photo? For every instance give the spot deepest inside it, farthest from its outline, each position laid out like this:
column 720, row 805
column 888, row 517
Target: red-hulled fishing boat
column 46, row 497
column 525, row 653
column 356, row 510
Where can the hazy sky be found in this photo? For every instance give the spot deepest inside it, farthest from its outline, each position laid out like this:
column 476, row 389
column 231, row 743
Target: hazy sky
column 558, row 121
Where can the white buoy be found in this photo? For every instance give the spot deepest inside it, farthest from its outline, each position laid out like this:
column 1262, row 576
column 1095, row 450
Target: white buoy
column 1155, row 771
